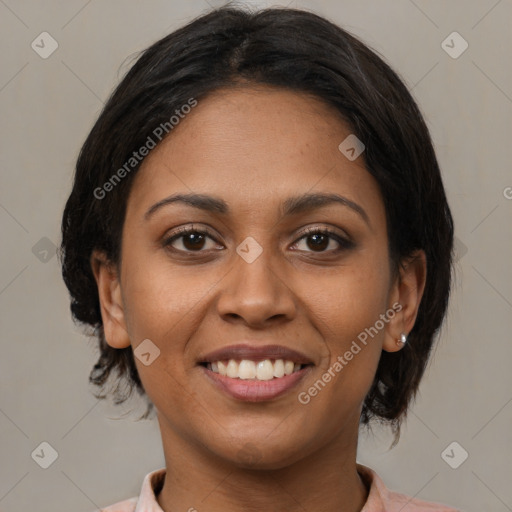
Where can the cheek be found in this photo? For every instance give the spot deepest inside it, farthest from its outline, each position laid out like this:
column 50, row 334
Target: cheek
column 158, row 306
column 159, row 297
column 164, row 303
column 347, row 303
column 347, row 310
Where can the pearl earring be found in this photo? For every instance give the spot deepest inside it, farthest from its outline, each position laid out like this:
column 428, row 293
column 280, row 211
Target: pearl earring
column 403, row 339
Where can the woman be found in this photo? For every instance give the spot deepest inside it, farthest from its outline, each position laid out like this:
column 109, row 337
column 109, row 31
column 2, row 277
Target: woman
column 259, row 233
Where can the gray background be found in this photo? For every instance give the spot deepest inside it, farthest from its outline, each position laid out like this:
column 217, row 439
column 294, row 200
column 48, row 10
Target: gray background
column 48, row 106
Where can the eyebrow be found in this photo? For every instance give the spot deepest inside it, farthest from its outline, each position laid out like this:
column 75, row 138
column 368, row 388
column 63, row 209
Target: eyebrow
column 291, row 206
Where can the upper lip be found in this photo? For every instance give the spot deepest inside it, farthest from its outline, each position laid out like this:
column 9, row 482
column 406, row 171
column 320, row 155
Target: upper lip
column 255, row 353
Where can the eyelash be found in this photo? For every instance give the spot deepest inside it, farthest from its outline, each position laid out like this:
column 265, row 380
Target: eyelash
column 344, row 243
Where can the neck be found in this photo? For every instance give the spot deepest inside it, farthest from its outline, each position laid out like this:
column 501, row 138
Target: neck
column 324, row 481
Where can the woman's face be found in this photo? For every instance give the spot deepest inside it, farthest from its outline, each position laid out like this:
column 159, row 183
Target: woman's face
column 257, row 278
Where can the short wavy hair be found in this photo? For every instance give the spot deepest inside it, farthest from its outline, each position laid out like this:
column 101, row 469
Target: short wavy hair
column 298, row 51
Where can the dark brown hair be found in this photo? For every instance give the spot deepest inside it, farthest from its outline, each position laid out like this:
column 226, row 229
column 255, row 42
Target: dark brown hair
column 299, row 51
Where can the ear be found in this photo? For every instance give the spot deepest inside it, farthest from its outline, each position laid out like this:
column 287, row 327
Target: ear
column 406, row 295
column 112, row 308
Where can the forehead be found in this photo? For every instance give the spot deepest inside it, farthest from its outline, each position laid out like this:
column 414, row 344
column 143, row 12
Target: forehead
column 254, row 144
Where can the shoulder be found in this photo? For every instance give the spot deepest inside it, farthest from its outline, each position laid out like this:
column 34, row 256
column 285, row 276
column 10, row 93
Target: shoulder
column 399, row 501
column 122, row 506
column 382, row 499
column 146, row 501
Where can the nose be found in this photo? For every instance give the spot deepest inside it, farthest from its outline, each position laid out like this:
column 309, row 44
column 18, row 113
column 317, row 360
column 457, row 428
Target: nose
column 256, row 293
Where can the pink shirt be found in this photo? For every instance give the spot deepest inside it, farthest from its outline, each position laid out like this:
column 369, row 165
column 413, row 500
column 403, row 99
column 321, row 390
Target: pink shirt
column 380, row 498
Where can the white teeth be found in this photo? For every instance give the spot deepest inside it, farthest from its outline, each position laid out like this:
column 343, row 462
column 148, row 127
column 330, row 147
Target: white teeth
column 232, row 369
column 246, row 369
column 261, row 370
column 279, row 368
column 221, row 366
column 264, row 370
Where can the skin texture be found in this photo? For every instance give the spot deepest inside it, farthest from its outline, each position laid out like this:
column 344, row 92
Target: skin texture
column 254, row 147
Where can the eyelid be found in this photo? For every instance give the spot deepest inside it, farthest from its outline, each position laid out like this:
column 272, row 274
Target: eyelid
column 324, row 229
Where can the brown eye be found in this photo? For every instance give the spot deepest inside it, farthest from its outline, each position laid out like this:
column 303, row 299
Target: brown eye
column 193, row 241
column 319, row 240
column 189, row 240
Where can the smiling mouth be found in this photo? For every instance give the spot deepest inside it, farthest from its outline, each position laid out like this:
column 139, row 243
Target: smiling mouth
column 247, row 369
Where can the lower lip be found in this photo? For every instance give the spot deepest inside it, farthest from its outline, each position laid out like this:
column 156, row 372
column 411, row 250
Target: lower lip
column 252, row 390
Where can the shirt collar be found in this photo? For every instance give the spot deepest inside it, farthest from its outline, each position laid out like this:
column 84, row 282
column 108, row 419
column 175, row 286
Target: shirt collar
column 151, row 486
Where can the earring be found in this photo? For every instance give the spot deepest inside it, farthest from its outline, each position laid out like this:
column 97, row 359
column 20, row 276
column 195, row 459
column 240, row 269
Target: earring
column 402, row 340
